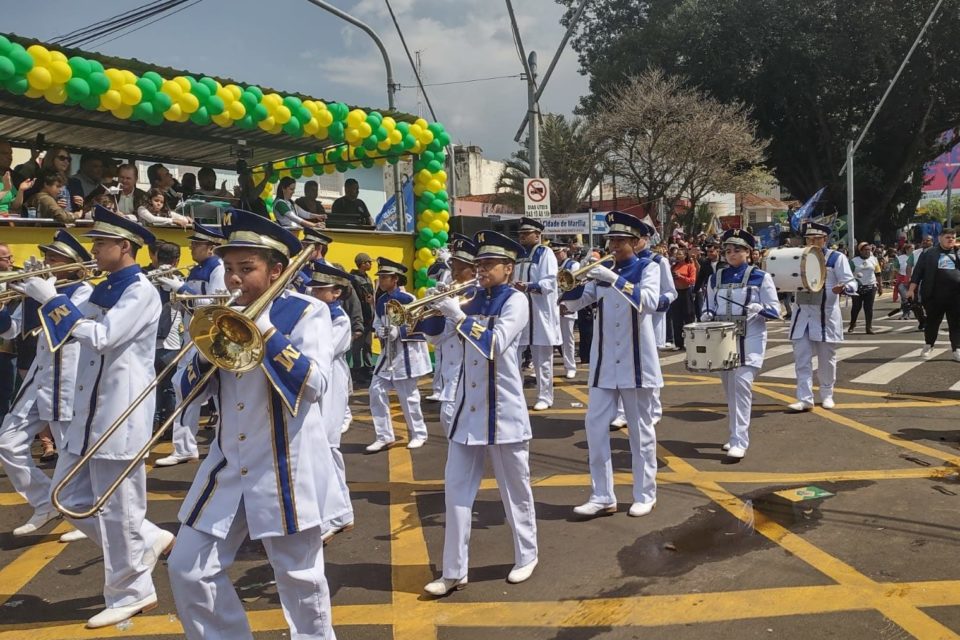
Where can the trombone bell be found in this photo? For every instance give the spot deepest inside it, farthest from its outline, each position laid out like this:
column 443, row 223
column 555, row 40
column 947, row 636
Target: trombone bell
column 568, row 280
column 227, row 338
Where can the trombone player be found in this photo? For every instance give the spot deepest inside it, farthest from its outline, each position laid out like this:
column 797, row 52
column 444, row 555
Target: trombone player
column 47, row 393
column 116, row 330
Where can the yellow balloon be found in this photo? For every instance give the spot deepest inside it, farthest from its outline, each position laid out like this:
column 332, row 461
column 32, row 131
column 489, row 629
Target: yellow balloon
column 234, row 90
column 417, row 147
column 365, row 130
column 312, row 107
column 188, row 102
column 308, row 172
column 426, row 136
column 282, row 114
column 39, row 78
column 110, row 99
column 443, row 216
column 57, row 94
column 123, row 112
column 389, row 123
column 424, row 254
column 434, row 186
column 421, row 292
column 130, row 94
column 57, row 56
column 329, row 169
column 226, row 96
column 173, row 113
column 115, row 76
column 380, row 162
column 311, row 127
column 272, row 100
column 267, row 123
column 416, row 131
column 40, row 54
column 396, row 137
column 424, row 176
column 441, row 176
column 322, row 133
column 428, row 215
column 420, row 122
column 355, row 117
column 325, row 118
column 60, row 71
column 236, row 110
column 35, row 93
column 352, row 136
column 129, row 77
column 222, row 120
column 172, row 89
column 436, row 226
column 418, row 188
column 384, row 145
column 268, row 189
column 184, row 84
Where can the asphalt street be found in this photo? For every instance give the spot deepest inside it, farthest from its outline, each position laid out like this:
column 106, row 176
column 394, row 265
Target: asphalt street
column 837, row 524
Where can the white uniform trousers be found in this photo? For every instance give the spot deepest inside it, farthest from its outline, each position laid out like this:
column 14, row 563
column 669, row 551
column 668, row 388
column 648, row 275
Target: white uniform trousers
column 657, row 408
column 567, row 343
column 601, row 410
column 207, row 603
column 121, row 528
column 447, row 408
column 437, row 378
column 186, row 425
column 542, row 357
column 341, row 501
column 16, row 438
column 738, row 386
column 464, row 471
column 826, row 353
column 409, row 397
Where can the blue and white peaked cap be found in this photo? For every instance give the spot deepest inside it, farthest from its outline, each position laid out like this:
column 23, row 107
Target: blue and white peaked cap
column 491, row 244
column 206, row 234
column 107, row 224
column 815, row 229
column 739, row 238
column 326, row 275
column 624, row 225
column 67, row 246
column 463, row 249
column 530, row 224
column 387, row 267
column 246, row 230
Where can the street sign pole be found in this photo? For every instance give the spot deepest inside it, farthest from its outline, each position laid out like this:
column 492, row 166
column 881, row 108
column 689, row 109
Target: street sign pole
column 851, row 238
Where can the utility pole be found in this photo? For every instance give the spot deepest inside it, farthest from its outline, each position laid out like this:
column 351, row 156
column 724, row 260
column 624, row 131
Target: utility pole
column 419, row 74
column 533, row 117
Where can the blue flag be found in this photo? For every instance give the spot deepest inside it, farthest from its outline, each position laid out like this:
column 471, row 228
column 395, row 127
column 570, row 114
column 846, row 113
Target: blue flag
column 806, row 211
column 387, row 218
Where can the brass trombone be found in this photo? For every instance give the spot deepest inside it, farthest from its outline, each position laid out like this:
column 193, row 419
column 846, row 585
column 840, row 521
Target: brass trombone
column 399, row 314
column 227, row 338
column 87, row 271
column 193, row 301
column 568, row 280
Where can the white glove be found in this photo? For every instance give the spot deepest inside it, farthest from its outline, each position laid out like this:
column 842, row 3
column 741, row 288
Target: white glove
column 171, row 284
column 42, row 290
column 602, row 274
column 706, row 316
column 450, row 307
column 392, row 332
column 263, row 323
column 753, row 309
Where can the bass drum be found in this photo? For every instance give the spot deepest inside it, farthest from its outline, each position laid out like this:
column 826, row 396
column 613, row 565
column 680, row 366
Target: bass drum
column 796, row 268
column 711, row 346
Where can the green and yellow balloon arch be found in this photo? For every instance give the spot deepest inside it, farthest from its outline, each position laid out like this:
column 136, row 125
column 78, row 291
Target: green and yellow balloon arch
column 348, row 138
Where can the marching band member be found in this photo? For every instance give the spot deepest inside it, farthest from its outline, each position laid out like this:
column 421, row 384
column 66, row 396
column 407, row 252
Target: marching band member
column 448, row 349
column 567, row 320
column 268, row 470
column 745, row 295
column 489, row 416
column 817, row 326
column 116, row 330
column 206, row 276
column 536, row 277
column 440, row 270
column 624, row 365
column 403, row 359
column 444, row 274
column 328, row 284
column 47, row 393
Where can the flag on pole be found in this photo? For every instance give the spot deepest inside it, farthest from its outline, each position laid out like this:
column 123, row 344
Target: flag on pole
column 387, row 219
column 806, row 211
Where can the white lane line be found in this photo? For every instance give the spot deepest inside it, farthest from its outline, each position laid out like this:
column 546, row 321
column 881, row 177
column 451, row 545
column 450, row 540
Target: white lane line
column 674, row 359
column 955, row 387
column 789, row 371
column 888, row 371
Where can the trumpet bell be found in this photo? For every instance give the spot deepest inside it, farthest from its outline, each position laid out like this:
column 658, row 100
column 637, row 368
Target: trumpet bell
column 227, row 338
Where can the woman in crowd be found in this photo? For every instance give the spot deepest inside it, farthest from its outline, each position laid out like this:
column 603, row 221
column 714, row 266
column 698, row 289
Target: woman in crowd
column 681, row 310
column 156, row 212
column 285, row 210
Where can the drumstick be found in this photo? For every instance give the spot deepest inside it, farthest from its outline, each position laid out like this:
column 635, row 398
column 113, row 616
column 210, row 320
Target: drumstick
column 742, row 306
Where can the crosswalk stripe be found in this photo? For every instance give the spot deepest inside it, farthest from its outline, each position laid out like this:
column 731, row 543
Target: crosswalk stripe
column 674, row 359
column 789, row 371
column 955, row 387
column 886, row 372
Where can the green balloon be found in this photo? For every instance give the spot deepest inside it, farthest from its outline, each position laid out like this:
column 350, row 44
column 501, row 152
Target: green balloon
column 5, row 46
column 393, row 159
column 442, row 237
column 7, row 70
column 293, row 127
column 435, row 243
column 403, row 127
column 17, row 85
column 209, row 83
column 144, row 111
column 369, row 144
column 95, row 66
column 249, row 100
column 438, row 205
column 426, row 156
column 90, row 103
column 77, row 88
column 433, row 166
column 422, row 273
column 292, row 102
column 162, row 101
column 367, row 163
column 360, row 152
column 99, row 82
column 22, row 61
column 80, row 67
column 255, row 90
column 215, row 105
column 246, row 122
column 442, row 195
column 342, row 167
column 154, row 78
column 192, row 81
column 426, row 234
column 439, row 156
column 296, row 173
column 435, row 145
column 202, row 92
column 431, row 282
column 259, row 112
column 200, row 116
column 335, row 132
column 303, row 114
column 147, row 89
column 444, row 138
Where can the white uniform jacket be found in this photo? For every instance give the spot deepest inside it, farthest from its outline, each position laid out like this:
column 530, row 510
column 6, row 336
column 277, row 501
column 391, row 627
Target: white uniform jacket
column 441, row 272
column 819, row 319
column 728, row 292
column 448, row 350
column 570, row 265
column 333, row 405
column 205, row 277
column 406, row 356
column 50, row 384
column 271, row 450
column 668, row 293
column 624, row 350
column 117, row 332
column 538, row 269
column 489, row 406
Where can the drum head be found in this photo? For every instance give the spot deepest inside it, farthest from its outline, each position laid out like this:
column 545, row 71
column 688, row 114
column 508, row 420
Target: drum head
column 813, row 269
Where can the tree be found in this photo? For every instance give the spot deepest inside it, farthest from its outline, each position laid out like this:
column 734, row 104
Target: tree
column 811, row 73
column 568, row 158
column 668, row 141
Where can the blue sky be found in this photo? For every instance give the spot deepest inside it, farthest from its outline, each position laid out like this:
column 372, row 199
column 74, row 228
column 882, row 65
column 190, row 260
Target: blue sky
column 293, row 45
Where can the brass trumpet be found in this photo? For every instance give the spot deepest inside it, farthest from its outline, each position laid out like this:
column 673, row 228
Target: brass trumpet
column 87, row 271
column 192, row 301
column 399, row 314
column 229, row 339
column 568, row 280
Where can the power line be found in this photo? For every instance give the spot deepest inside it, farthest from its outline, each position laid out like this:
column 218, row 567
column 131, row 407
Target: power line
column 100, row 24
column 98, row 31
column 445, row 84
column 172, row 13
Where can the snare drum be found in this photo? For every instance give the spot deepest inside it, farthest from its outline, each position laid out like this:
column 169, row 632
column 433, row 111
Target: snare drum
column 711, row 346
column 796, row 268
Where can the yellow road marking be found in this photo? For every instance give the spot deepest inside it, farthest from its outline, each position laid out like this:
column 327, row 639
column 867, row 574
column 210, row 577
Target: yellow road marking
column 25, row 567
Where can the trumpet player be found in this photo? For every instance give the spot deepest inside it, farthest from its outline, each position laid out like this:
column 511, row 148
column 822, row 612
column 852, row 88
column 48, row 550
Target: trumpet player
column 489, row 414
column 745, row 295
column 624, row 365
column 116, row 329
column 268, row 472
column 47, row 393
column 206, row 276
column 444, row 274
column 567, row 320
column 536, row 278
column 403, row 359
